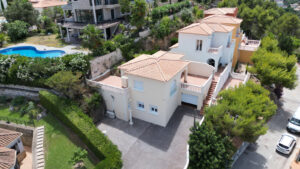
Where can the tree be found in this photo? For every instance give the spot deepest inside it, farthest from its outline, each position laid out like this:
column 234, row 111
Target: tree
column 287, row 24
column 125, row 6
column 45, row 23
column 208, row 149
column 138, row 13
column 2, row 39
column 92, row 38
column 17, row 30
column 274, row 67
column 67, row 83
column 186, row 16
column 164, row 28
column 21, row 10
column 241, row 112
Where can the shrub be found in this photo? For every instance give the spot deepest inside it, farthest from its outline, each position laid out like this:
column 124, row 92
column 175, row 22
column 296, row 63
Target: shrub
column 174, row 40
column 3, row 99
column 17, row 30
column 67, row 83
column 165, row 27
column 186, row 16
column 169, row 9
column 18, row 101
column 71, row 115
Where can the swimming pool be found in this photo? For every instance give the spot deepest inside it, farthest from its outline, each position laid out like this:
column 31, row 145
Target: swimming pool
column 31, row 51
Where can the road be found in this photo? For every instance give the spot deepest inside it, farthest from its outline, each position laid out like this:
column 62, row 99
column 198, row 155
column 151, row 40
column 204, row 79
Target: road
column 262, row 155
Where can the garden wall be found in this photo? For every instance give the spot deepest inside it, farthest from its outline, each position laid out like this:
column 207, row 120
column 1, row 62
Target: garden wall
column 101, row 63
column 151, row 43
column 12, row 91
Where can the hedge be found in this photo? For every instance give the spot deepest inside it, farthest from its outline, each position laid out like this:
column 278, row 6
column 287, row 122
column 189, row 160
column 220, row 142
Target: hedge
column 169, row 9
column 71, row 115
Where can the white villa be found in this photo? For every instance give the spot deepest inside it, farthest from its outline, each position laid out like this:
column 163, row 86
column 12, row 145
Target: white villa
column 104, row 14
column 193, row 72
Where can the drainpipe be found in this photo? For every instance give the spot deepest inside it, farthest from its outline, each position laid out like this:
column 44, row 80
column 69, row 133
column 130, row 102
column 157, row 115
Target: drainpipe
column 130, row 112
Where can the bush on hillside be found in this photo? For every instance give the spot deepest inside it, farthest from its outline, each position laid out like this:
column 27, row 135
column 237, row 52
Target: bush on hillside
column 17, row 30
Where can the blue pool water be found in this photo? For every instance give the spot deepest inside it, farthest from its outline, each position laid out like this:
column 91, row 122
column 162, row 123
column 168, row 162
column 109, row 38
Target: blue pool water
column 31, row 51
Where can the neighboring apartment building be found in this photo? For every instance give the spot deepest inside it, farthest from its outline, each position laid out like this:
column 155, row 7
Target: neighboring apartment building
column 3, row 5
column 152, row 86
column 11, row 149
column 103, row 13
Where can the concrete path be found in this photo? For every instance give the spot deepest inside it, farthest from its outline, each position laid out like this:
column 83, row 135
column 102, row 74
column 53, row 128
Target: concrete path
column 148, row 146
column 262, row 155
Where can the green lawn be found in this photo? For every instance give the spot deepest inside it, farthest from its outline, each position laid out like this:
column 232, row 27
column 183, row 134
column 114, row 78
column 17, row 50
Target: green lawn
column 60, row 142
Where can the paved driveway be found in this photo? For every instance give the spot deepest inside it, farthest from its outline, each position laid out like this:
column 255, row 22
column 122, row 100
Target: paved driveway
column 262, row 154
column 148, row 146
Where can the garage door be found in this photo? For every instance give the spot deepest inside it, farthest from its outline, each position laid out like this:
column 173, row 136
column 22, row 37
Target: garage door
column 191, row 99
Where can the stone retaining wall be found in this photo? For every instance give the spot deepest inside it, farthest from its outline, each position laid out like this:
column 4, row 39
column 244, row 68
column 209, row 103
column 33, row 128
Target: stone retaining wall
column 102, row 63
column 31, row 93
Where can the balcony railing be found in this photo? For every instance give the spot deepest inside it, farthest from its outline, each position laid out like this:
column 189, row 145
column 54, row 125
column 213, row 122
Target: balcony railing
column 111, row 2
column 214, row 50
column 190, row 87
column 250, row 45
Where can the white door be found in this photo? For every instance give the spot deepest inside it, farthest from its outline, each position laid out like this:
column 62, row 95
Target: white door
column 191, row 99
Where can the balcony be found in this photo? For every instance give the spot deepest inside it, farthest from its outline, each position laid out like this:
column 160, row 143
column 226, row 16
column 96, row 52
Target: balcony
column 193, row 83
column 215, row 50
column 250, row 45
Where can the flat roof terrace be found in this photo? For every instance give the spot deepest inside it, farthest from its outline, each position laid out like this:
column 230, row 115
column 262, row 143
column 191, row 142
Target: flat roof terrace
column 113, row 81
column 196, row 80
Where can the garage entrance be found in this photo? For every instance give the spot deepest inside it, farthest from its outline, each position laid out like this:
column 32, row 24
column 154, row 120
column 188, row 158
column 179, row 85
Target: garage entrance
column 189, row 100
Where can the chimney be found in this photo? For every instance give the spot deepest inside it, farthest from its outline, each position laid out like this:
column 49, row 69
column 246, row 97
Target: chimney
column 124, row 81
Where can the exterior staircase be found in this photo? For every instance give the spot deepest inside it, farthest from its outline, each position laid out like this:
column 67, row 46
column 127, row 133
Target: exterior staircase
column 209, row 96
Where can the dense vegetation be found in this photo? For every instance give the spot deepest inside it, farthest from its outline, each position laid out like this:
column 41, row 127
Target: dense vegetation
column 273, row 66
column 208, row 149
column 28, row 71
column 71, row 115
column 261, row 18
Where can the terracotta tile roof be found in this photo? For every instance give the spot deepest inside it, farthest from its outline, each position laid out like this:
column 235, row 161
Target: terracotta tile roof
column 220, row 11
column 160, row 66
column 202, row 28
column 47, row 3
column 8, row 136
column 7, row 158
column 221, row 19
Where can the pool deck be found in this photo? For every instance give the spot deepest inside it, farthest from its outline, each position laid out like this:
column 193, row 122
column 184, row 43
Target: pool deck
column 69, row 49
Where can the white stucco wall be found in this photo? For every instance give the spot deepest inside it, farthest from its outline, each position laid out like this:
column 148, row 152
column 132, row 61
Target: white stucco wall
column 156, row 93
column 120, row 102
column 202, row 69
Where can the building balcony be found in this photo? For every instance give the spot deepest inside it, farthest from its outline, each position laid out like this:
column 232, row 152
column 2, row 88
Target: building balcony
column 249, row 45
column 215, row 50
column 193, row 83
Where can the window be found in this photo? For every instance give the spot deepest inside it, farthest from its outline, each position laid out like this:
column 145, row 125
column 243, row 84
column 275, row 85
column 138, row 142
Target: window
column 138, row 85
column 199, row 45
column 173, row 88
column 140, row 106
column 153, row 109
column 228, row 41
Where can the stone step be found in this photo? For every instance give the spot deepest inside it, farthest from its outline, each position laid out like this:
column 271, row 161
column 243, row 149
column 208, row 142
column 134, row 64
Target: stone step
column 40, row 150
column 39, row 146
column 41, row 165
column 40, row 153
column 39, row 161
column 40, row 140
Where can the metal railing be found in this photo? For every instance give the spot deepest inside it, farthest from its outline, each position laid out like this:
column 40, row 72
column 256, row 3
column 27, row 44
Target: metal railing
column 17, row 121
